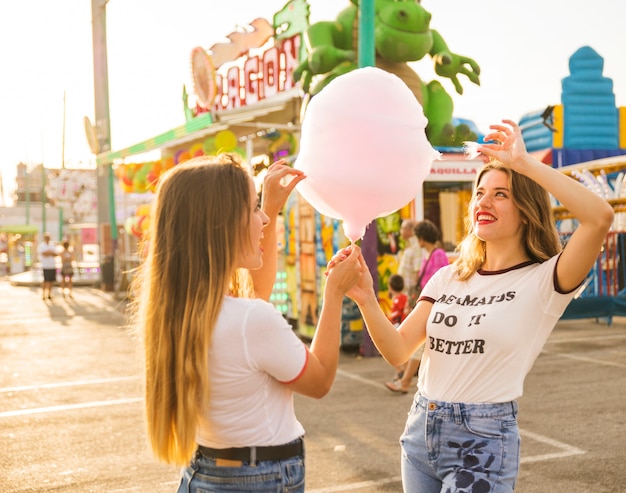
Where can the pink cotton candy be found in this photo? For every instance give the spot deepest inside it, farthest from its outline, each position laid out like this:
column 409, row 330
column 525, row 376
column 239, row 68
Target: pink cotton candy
column 363, row 148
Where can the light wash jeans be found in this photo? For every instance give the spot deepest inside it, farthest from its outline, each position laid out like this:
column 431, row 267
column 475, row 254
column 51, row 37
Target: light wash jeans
column 283, row 476
column 451, row 447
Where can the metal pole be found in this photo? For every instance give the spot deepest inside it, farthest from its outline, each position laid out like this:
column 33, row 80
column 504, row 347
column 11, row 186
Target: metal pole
column 367, row 47
column 63, row 136
column 369, row 244
column 111, row 191
column 43, row 199
column 61, row 220
column 27, row 192
column 106, row 235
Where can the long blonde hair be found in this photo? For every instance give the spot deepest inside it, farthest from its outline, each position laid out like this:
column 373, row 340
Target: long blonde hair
column 541, row 238
column 200, row 218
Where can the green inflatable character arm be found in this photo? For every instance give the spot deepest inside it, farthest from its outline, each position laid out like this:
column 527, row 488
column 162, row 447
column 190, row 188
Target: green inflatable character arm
column 402, row 34
column 448, row 64
column 329, row 45
column 327, row 48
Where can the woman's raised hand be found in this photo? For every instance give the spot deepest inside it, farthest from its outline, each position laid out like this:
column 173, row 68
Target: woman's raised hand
column 364, row 288
column 275, row 191
column 508, row 145
column 344, row 269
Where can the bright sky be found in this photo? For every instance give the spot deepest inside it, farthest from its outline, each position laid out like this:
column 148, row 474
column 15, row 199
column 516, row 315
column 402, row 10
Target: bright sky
column 523, row 49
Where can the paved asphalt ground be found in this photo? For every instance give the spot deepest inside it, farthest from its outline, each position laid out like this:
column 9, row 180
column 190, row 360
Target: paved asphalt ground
column 71, row 408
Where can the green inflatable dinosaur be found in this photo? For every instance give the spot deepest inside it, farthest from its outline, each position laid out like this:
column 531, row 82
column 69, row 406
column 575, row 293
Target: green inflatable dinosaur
column 403, row 34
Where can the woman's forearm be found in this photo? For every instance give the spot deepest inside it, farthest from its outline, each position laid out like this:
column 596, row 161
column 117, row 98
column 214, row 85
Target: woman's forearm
column 385, row 336
column 265, row 277
column 585, row 205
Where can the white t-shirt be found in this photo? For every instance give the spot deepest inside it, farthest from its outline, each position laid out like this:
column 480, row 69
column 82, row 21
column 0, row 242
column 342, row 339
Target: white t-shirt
column 410, row 261
column 483, row 335
column 47, row 261
column 254, row 349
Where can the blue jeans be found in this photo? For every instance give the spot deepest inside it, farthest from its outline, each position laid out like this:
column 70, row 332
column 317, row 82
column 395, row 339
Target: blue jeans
column 204, row 476
column 451, row 447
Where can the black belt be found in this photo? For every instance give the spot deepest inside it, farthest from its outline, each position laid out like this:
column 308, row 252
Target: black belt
column 255, row 454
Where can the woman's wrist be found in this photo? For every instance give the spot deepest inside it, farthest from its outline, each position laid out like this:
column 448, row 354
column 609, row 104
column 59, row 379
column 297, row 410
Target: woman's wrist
column 369, row 300
column 525, row 162
column 270, row 211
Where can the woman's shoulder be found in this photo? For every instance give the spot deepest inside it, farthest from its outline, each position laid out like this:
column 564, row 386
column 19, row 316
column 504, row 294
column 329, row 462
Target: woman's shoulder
column 446, row 270
column 444, row 273
column 255, row 314
column 241, row 301
column 257, row 305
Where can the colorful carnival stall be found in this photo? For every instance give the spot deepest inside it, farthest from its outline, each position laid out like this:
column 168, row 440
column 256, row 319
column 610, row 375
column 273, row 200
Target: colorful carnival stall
column 17, row 250
column 249, row 95
column 246, row 96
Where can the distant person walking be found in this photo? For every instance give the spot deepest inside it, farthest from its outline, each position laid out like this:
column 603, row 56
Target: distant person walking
column 47, row 254
column 67, row 269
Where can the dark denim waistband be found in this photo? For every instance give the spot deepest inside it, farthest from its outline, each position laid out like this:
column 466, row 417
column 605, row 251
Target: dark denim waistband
column 476, row 410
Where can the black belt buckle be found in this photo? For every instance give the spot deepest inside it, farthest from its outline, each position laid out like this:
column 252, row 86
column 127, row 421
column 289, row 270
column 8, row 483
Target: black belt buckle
column 255, row 454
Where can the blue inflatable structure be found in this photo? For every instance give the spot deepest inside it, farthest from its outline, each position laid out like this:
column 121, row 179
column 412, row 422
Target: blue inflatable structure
column 586, row 127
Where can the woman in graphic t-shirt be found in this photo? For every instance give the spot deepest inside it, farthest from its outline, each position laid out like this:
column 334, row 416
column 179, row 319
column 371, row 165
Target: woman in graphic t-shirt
column 485, row 318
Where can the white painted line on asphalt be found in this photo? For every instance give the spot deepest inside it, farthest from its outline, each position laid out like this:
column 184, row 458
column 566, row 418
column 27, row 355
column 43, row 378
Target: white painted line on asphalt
column 96, row 381
column 565, row 449
column 102, row 333
column 355, row 486
column 8, row 318
column 594, row 338
column 141, row 489
column 68, row 407
column 585, row 359
column 367, row 381
column 37, row 319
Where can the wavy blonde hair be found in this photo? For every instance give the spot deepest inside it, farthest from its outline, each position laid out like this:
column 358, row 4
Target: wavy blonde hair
column 200, row 219
column 541, row 238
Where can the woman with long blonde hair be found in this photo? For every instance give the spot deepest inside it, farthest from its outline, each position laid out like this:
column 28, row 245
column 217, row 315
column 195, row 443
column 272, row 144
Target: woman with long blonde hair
column 485, row 318
column 221, row 363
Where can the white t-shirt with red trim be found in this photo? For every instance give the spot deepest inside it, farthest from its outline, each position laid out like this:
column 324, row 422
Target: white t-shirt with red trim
column 254, row 349
column 484, row 334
